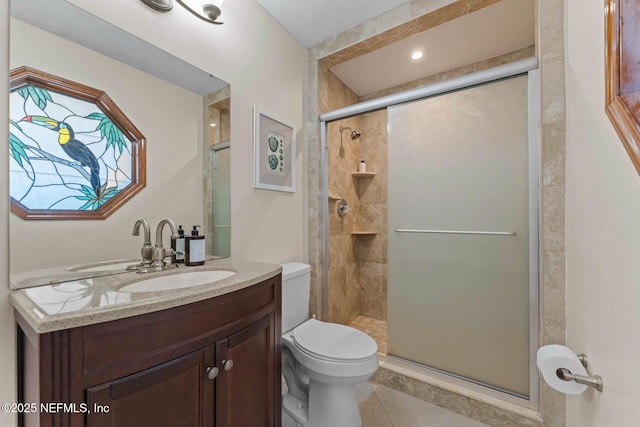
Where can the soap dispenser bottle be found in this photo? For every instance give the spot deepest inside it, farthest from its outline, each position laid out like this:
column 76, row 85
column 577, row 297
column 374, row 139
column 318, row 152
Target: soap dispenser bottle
column 177, row 244
column 194, row 248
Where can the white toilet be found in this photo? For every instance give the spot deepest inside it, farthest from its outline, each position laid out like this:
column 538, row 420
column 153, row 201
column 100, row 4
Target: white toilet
column 321, row 362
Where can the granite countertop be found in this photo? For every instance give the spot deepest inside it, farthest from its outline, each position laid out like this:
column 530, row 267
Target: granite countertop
column 86, row 301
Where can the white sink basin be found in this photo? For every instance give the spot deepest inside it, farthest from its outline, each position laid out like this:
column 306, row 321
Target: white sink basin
column 105, row 266
column 177, row 281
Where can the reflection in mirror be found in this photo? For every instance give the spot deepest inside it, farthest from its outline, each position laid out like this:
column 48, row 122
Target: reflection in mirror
column 55, row 17
column 90, row 31
column 217, row 209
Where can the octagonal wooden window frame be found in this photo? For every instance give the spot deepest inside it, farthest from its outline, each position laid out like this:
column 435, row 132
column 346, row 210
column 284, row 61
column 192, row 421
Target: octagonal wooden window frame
column 622, row 63
column 24, row 76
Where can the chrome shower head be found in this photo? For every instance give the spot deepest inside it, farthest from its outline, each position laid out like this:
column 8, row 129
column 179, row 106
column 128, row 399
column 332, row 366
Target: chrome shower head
column 355, row 134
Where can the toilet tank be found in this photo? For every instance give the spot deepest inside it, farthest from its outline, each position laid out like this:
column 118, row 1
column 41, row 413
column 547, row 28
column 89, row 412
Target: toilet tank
column 296, row 287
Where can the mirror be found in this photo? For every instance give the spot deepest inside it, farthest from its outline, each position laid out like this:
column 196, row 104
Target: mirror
column 54, row 16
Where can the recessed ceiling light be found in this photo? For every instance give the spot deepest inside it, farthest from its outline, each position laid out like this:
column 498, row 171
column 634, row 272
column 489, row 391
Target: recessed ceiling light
column 212, row 125
column 416, row 55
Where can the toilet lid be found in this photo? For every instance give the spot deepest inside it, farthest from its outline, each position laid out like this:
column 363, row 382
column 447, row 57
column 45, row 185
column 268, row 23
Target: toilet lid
column 334, row 342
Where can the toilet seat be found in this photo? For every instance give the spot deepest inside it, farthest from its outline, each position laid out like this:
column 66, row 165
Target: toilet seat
column 333, row 342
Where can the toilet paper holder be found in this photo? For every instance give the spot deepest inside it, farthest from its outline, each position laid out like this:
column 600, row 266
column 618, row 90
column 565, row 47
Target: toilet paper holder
column 566, row 375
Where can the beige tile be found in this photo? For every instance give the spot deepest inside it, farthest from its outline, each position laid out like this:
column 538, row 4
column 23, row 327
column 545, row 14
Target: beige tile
column 553, row 225
column 371, row 410
column 337, row 294
column 554, row 407
column 551, row 29
column 477, row 410
column 553, row 329
column 553, row 107
column 553, row 153
column 407, row 411
column 376, row 329
column 370, row 248
column 372, row 295
column 422, row 7
column 553, row 293
column 368, row 189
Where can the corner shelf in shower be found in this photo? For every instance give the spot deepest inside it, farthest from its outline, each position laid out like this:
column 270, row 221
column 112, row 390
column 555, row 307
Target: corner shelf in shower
column 334, row 197
column 363, row 174
column 363, row 233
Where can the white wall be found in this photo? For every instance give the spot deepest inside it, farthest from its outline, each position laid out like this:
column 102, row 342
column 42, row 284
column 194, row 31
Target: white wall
column 603, row 233
column 168, row 116
column 7, row 325
column 265, row 66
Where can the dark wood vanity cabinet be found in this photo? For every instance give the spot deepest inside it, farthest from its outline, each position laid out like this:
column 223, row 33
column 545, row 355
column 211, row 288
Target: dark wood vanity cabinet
column 175, row 393
column 209, row 363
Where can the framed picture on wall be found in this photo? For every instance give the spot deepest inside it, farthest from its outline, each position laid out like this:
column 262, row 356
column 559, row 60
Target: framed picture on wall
column 274, row 153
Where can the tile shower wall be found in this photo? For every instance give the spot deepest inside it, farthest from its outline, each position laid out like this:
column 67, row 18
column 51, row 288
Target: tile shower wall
column 357, row 263
column 371, row 250
column 343, row 155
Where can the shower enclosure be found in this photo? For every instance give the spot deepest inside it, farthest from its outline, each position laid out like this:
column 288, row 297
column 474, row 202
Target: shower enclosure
column 221, row 218
column 459, row 227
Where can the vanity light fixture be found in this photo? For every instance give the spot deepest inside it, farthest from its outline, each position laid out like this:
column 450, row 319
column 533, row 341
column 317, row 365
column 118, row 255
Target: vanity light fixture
column 209, row 10
column 416, row 55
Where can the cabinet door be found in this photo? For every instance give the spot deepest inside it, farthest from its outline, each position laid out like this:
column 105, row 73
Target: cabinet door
column 175, row 394
column 245, row 392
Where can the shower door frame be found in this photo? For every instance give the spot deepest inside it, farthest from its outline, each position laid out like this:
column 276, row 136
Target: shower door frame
column 527, row 66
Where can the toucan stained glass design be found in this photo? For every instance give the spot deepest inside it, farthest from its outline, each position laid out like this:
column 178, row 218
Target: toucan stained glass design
column 66, row 153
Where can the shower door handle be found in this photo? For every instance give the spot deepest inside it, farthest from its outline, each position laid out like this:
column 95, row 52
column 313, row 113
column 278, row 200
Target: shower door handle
column 486, row 233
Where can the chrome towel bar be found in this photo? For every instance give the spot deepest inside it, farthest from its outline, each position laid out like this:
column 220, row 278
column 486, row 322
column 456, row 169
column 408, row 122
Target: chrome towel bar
column 489, row 233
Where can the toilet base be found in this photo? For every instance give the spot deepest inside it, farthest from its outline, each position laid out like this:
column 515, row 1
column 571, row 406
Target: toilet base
column 287, row 421
column 295, row 409
column 334, row 405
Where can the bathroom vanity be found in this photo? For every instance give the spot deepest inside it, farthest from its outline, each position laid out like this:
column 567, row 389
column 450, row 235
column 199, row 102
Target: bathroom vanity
column 199, row 356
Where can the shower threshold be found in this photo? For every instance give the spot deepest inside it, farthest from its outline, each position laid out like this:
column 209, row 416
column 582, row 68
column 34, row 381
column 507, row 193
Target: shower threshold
column 440, row 388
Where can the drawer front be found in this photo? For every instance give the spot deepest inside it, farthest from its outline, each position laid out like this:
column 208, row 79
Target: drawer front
column 129, row 345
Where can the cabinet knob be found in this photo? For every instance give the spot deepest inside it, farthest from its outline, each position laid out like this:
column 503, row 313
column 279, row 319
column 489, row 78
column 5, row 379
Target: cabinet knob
column 227, row 364
column 212, row 373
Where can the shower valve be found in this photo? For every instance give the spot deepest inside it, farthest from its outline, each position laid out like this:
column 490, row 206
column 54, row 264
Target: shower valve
column 343, row 208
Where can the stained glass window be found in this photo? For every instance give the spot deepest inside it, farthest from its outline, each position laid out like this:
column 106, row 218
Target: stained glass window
column 73, row 153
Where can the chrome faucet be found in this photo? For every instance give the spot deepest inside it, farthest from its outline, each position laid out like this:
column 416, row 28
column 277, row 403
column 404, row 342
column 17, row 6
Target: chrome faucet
column 147, row 249
column 159, row 252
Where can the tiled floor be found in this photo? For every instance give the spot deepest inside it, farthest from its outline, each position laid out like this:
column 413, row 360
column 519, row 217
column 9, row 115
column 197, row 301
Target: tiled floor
column 377, row 329
column 383, row 407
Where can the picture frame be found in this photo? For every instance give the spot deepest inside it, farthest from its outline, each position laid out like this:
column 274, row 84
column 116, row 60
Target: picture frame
column 74, row 154
column 274, row 155
column 622, row 73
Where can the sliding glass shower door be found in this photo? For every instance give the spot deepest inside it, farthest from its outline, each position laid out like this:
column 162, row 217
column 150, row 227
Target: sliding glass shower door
column 458, row 237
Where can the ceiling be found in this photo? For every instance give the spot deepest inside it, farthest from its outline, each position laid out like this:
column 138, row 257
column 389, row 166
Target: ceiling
column 503, row 27
column 314, row 21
